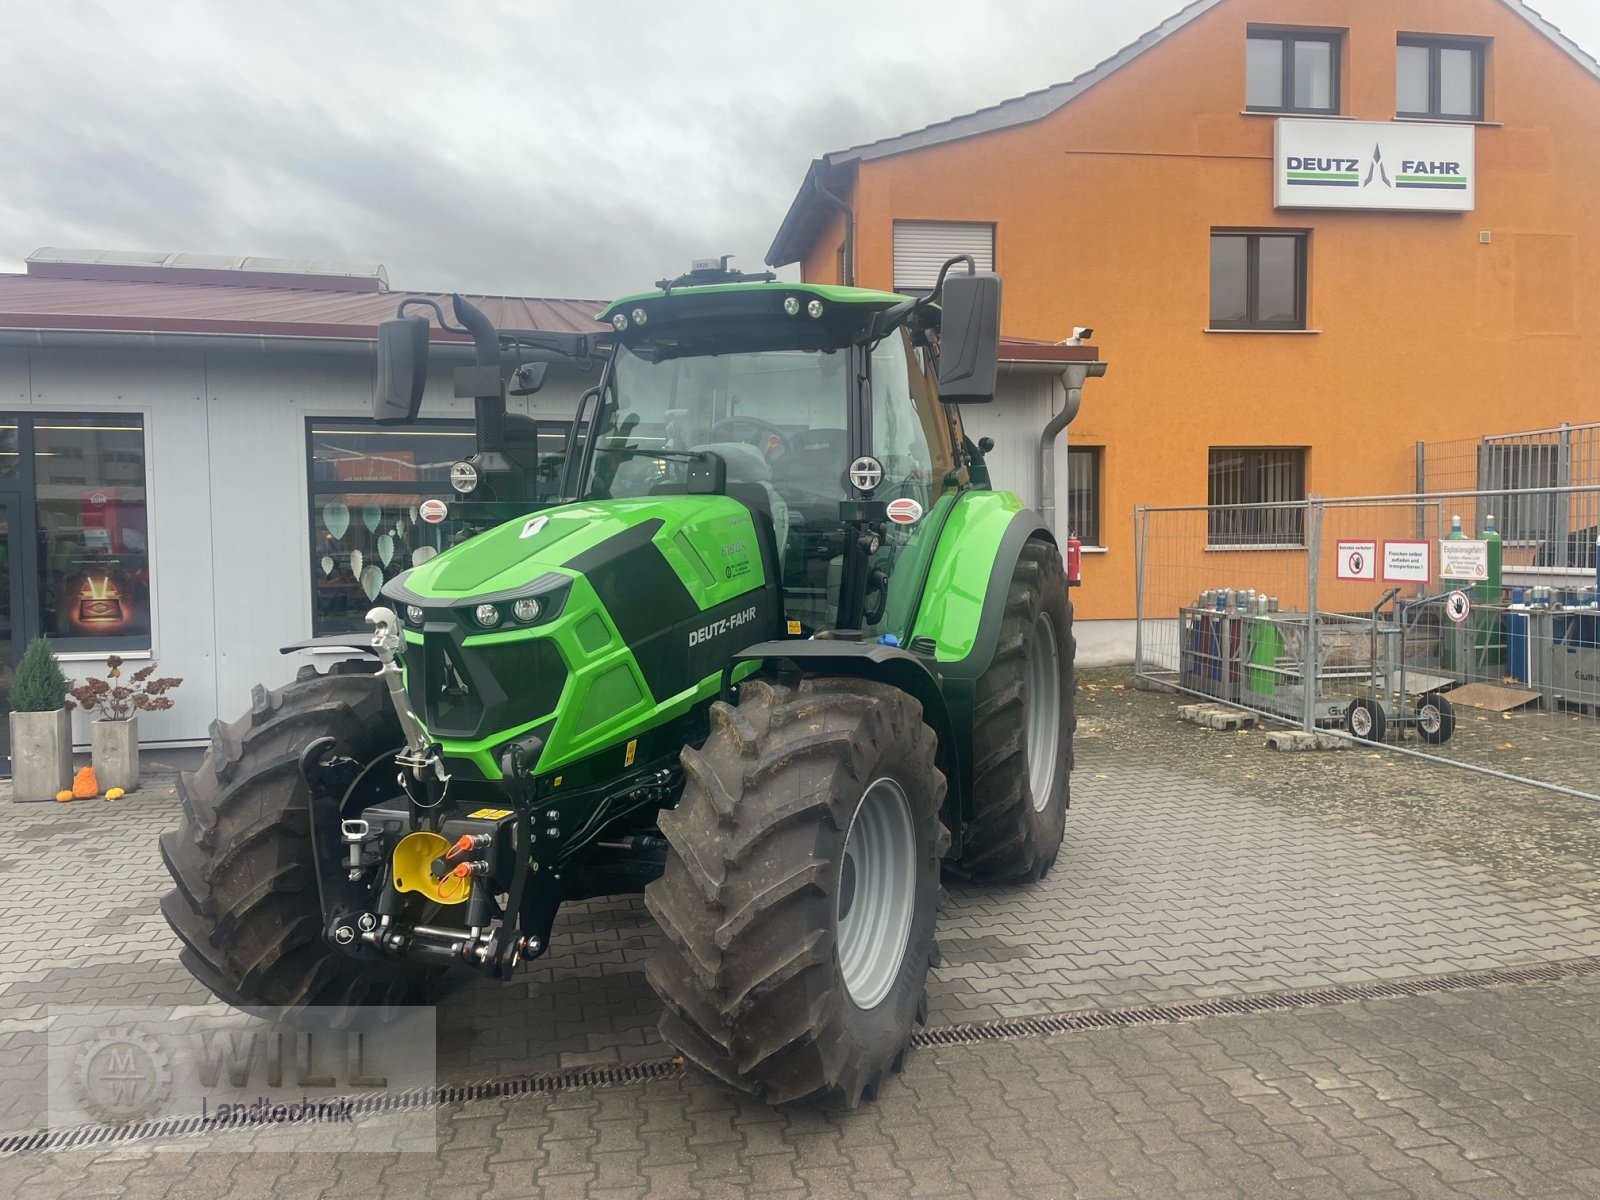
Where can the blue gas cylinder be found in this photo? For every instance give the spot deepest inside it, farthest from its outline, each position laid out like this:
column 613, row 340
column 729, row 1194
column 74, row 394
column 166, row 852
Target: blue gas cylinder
column 1517, row 636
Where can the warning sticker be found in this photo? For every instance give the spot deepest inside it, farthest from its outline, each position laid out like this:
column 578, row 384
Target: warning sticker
column 1358, row 560
column 491, row 814
column 1407, row 560
column 1463, row 559
column 1457, row 606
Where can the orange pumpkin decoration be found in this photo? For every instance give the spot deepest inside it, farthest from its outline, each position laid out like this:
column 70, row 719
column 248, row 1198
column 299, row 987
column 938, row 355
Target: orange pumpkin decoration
column 64, row 796
column 85, row 785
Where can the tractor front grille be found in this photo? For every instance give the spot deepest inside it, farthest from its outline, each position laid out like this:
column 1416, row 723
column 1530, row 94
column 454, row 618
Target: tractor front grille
column 471, row 692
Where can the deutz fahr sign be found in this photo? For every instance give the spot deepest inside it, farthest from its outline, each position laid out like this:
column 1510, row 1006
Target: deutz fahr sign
column 1375, row 164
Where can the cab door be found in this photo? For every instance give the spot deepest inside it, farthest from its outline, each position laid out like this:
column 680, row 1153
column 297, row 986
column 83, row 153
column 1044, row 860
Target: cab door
column 913, row 439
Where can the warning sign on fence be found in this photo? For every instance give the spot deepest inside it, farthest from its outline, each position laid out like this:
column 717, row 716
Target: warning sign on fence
column 1463, row 559
column 1407, row 560
column 1358, row 560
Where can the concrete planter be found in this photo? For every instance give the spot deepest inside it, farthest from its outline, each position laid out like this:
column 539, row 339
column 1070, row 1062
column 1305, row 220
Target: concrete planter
column 114, row 751
column 41, row 754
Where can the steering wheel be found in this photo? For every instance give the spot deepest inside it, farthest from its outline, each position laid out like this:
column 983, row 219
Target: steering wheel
column 727, row 430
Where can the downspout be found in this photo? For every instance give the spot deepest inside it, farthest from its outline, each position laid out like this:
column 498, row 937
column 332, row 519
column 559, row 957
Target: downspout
column 849, row 272
column 1071, row 381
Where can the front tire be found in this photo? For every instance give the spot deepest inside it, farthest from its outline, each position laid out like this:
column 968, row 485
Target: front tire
column 246, row 906
column 801, row 890
column 1023, row 721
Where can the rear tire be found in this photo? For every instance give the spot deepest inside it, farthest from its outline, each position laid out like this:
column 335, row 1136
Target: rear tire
column 801, row 890
column 1021, row 773
column 246, row 906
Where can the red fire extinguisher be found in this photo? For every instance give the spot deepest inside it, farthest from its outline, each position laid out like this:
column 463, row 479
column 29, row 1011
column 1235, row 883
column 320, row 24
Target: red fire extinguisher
column 1074, row 562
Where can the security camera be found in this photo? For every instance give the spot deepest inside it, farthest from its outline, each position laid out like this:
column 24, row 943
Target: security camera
column 1079, row 332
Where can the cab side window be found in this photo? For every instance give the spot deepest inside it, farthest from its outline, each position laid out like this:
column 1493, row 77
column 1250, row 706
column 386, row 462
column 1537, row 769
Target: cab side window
column 910, row 433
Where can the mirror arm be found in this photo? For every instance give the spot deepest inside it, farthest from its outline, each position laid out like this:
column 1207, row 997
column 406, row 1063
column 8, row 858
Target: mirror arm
column 938, row 284
column 891, row 318
column 489, row 410
column 582, row 347
column 425, row 302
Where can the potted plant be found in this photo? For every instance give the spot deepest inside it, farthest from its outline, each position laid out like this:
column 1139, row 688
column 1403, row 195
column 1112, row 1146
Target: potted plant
column 114, row 706
column 41, row 731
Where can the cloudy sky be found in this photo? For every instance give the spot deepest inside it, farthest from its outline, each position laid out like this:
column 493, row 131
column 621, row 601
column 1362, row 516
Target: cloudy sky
column 555, row 148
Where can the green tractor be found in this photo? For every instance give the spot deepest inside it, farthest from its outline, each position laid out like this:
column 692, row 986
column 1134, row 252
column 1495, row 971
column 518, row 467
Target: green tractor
column 780, row 659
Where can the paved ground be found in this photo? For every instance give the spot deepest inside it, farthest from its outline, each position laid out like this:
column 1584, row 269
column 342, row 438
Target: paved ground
column 1198, row 864
column 1485, row 1095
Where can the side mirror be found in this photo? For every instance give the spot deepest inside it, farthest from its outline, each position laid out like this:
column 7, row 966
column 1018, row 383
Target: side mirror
column 528, row 378
column 402, row 370
column 969, row 338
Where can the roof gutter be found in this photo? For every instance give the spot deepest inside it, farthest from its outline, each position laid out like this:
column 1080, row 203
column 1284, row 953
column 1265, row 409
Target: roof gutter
column 50, row 338
column 847, row 270
column 1071, row 381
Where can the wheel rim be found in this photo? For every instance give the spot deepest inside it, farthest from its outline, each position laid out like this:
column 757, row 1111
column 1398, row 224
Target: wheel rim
column 877, row 893
column 1044, row 712
column 1360, row 721
column 1430, row 718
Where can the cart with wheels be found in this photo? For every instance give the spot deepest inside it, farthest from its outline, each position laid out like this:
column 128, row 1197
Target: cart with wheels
column 1415, row 695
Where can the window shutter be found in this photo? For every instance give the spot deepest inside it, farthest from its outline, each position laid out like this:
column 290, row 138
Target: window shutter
column 922, row 247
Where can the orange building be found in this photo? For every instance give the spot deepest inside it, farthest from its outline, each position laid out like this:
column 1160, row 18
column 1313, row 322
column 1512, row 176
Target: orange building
column 1306, row 235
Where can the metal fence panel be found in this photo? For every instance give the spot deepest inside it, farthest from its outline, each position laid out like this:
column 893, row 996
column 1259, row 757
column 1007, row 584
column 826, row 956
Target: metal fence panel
column 1365, row 629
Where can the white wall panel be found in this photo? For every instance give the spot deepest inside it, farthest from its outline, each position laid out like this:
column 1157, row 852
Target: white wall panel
column 225, row 454
column 167, row 388
column 257, row 416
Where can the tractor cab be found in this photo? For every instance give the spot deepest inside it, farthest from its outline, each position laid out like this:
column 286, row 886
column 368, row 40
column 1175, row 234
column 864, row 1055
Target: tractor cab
column 817, row 407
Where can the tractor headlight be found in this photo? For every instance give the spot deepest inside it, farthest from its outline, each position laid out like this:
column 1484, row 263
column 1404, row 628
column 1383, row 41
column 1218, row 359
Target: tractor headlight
column 814, row 309
column 488, row 615
column 640, row 316
column 791, row 305
column 414, row 614
column 527, row 609
column 619, row 322
column 463, row 477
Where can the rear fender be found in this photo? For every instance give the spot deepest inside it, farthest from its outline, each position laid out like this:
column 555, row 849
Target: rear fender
column 963, row 604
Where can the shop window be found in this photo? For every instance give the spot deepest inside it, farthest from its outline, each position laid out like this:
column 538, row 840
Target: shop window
column 367, row 483
column 1256, row 497
column 92, row 530
column 922, row 247
column 1083, row 493
column 1258, row 280
column 1439, row 79
column 1292, row 71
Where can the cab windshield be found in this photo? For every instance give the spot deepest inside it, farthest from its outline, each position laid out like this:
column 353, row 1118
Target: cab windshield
column 777, row 417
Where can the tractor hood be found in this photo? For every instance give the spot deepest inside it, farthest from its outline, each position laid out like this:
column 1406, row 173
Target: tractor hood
column 522, row 552
column 581, row 622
